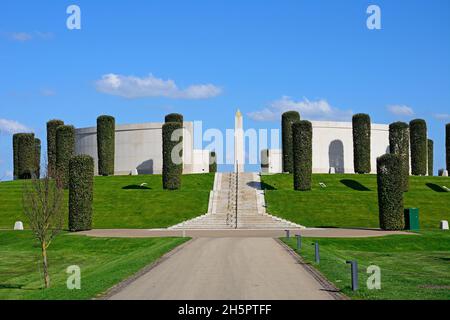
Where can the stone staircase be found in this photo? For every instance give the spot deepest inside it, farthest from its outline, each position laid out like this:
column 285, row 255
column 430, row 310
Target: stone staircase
column 244, row 209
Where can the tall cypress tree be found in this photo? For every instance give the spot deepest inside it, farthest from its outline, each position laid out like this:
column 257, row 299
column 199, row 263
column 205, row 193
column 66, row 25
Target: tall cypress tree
column 430, row 157
column 399, row 145
column 287, row 119
column 52, row 125
column 106, row 139
column 361, row 143
column 447, row 145
column 65, row 150
column 419, row 150
column 302, row 140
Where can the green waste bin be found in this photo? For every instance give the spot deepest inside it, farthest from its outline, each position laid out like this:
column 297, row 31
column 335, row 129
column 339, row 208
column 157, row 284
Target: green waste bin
column 412, row 219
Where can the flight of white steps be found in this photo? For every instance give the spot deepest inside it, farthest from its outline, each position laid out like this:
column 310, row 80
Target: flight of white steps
column 251, row 211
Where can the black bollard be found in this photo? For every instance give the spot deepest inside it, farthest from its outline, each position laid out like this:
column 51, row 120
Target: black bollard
column 299, row 241
column 288, row 234
column 354, row 271
column 317, row 252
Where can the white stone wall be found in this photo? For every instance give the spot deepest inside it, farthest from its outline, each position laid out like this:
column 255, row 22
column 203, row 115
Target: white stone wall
column 333, row 147
column 139, row 146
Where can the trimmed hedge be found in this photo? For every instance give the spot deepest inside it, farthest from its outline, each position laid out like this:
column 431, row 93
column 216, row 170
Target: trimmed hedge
column 390, row 193
column 447, row 145
column 419, row 150
column 16, row 155
column 399, row 145
column 212, row 162
column 81, row 196
column 430, row 157
column 106, row 133
column 52, row 125
column 37, row 157
column 171, row 171
column 302, row 147
column 65, row 150
column 287, row 119
column 174, row 117
column 361, row 143
column 26, row 156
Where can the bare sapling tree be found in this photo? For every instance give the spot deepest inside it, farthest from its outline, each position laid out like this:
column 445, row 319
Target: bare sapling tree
column 43, row 206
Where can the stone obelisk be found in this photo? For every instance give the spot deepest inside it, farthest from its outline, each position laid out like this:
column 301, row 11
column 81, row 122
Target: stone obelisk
column 239, row 142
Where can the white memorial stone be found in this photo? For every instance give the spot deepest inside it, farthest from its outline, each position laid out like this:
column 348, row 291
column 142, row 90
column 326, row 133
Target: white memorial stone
column 332, row 170
column 18, row 225
column 444, row 225
column 445, row 173
column 134, row 172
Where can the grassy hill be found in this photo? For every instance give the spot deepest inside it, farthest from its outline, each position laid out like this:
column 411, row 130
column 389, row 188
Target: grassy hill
column 351, row 200
column 120, row 202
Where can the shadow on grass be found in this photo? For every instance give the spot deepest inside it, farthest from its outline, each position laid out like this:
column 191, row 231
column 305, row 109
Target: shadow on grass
column 10, row 286
column 136, row 187
column 266, row 186
column 355, row 185
column 435, row 187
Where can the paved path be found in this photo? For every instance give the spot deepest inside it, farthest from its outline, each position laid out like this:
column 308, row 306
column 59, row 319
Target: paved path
column 240, row 233
column 227, row 268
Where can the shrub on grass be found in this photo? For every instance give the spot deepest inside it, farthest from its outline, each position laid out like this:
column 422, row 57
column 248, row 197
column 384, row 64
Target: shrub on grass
column 37, row 157
column 212, row 162
column 52, row 125
column 26, row 156
column 447, row 145
column 302, row 147
column 65, row 149
column 361, row 143
column 106, row 133
column 287, row 119
column 430, row 157
column 81, row 184
column 390, row 193
column 399, row 145
column 172, row 152
column 419, row 150
column 174, row 117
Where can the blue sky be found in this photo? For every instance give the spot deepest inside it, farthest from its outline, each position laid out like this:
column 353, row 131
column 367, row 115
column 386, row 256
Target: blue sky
column 259, row 56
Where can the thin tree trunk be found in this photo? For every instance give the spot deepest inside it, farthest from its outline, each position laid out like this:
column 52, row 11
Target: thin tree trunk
column 45, row 265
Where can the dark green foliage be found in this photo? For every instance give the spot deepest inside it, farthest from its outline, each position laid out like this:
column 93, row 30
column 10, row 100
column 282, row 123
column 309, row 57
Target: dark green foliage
column 26, row 156
column 16, row 155
column 106, row 133
column 212, row 162
column 302, row 147
column 287, row 119
column 447, row 145
column 399, row 145
column 174, row 117
column 172, row 168
column 81, row 196
column 37, row 157
column 419, row 150
column 52, row 125
column 65, row 150
column 361, row 143
column 390, row 193
column 430, row 157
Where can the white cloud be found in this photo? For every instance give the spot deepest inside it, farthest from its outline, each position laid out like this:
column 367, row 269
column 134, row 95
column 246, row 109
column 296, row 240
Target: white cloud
column 400, row 110
column 441, row 116
column 312, row 110
column 48, row 92
column 11, row 127
column 27, row 36
column 134, row 87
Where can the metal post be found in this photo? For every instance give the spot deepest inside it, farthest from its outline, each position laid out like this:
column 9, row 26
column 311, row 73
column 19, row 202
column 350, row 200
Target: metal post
column 299, row 241
column 288, row 234
column 354, row 271
column 316, row 245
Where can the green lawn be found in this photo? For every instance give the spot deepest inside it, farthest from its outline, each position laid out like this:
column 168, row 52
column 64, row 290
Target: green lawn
column 104, row 262
column 351, row 200
column 412, row 267
column 119, row 202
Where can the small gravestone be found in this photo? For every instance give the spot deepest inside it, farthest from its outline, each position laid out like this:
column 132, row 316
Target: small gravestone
column 18, row 226
column 445, row 173
column 134, row 172
column 444, row 225
column 332, row 170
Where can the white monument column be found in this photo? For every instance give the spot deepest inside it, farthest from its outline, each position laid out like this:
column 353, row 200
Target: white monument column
column 239, row 143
